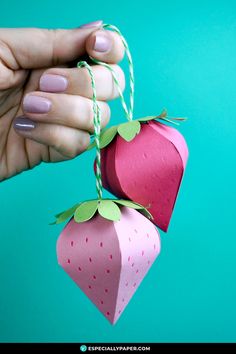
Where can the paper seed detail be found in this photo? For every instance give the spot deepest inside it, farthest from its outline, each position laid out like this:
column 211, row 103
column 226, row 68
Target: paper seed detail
column 108, row 260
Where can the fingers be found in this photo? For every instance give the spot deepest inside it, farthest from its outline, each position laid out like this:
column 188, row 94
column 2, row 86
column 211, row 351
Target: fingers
column 105, row 46
column 29, row 48
column 36, row 48
column 66, row 141
column 77, row 81
column 66, row 110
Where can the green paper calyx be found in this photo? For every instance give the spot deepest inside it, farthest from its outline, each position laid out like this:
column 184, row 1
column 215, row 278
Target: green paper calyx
column 107, row 135
column 163, row 117
column 107, row 208
column 128, row 131
column 86, row 211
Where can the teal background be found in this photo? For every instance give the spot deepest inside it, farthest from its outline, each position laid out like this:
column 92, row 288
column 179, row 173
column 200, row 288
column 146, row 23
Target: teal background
column 184, row 54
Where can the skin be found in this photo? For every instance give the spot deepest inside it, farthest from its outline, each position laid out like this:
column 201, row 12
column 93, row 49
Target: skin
column 63, row 132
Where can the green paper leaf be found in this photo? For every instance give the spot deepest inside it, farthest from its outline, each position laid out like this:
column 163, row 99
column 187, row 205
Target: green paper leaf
column 146, row 213
column 146, row 119
column 128, row 204
column 107, row 136
column 139, row 207
column 163, row 115
column 61, row 217
column 91, row 146
column 173, row 120
column 109, row 210
column 129, row 130
column 169, row 121
column 86, row 211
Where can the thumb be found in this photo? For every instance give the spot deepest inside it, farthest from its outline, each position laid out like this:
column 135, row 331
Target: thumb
column 29, row 48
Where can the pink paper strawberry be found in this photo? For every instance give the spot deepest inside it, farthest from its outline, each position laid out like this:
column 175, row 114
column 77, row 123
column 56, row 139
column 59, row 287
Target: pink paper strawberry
column 107, row 251
column 144, row 161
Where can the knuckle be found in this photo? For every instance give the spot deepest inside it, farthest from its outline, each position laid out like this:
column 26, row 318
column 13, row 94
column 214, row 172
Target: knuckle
column 85, row 81
column 5, row 79
column 71, row 152
column 84, row 142
column 54, row 48
column 90, row 117
column 76, row 149
column 121, row 77
column 47, row 71
column 55, row 71
column 54, row 137
column 60, row 142
column 106, row 113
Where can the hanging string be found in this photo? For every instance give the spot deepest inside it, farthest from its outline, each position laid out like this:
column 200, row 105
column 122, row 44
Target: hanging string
column 97, row 128
column 128, row 112
column 96, row 108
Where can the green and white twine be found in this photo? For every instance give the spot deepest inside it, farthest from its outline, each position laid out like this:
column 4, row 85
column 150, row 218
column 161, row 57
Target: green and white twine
column 97, row 128
column 96, row 108
column 128, row 112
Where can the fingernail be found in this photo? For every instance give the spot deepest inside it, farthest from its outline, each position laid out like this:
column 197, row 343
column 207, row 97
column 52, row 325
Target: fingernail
column 91, row 24
column 36, row 104
column 24, row 124
column 53, row 83
column 102, row 43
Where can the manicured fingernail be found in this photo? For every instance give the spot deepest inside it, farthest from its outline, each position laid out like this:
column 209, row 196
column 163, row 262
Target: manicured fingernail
column 53, row 83
column 102, row 43
column 24, row 124
column 36, row 104
column 92, row 24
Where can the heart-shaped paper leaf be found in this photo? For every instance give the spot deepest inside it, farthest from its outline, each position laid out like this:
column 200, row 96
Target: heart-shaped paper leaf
column 161, row 116
column 107, row 136
column 129, row 130
column 109, row 210
column 61, row 217
column 66, row 214
column 128, row 204
column 86, row 211
column 91, row 146
column 133, row 205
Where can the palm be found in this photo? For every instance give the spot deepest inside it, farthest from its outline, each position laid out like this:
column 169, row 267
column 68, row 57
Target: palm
column 17, row 153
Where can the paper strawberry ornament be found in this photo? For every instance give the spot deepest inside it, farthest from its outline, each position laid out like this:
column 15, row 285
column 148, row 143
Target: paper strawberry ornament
column 109, row 245
column 144, row 161
column 108, row 260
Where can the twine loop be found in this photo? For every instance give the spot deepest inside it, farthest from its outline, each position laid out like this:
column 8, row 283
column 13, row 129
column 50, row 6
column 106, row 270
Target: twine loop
column 96, row 108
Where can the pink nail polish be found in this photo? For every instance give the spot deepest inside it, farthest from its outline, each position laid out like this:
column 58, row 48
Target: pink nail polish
column 36, row 104
column 53, row 83
column 24, row 124
column 102, row 43
column 92, row 24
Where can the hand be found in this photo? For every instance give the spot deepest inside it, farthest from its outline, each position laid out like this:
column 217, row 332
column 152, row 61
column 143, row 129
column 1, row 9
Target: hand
column 45, row 103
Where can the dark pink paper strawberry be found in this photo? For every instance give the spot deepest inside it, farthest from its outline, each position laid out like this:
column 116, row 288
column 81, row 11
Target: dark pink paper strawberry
column 109, row 259
column 148, row 169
